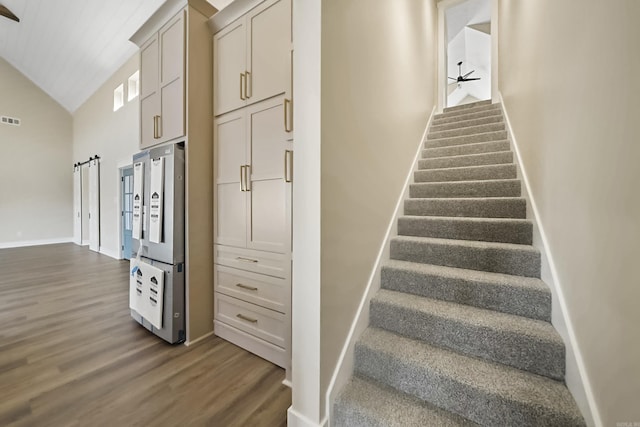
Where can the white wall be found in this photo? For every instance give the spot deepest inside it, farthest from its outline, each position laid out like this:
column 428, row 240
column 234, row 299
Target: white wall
column 567, row 76
column 36, row 166
column 114, row 136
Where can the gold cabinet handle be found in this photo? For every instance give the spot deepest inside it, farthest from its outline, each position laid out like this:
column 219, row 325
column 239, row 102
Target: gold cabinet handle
column 241, row 178
column 159, row 127
column 248, row 319
column 247, row 186
column 243, row 259
column 288, row 165
column 243, row 85
column 287, row 115
column 155, row 127
column 248, row 82
column 249, row 288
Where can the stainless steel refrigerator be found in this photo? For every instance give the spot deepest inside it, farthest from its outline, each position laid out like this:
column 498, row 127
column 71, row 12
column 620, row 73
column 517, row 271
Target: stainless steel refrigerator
column 157, row 274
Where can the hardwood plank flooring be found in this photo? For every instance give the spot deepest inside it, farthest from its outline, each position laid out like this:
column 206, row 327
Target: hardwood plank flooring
column 71, row 355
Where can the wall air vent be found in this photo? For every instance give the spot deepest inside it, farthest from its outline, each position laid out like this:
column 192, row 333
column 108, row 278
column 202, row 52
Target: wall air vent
column 9, row 121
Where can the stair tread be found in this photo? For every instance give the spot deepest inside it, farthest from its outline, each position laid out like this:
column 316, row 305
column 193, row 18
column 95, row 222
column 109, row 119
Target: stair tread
column 464, row 111
column 477, row 220
column 474, row 104
column 510, row 384
column 461, row 123
column 472, row 316
column 472, row 130
column 377, row 405
column 471, row 156
column 467, row 115
column 468, row 168
column 474, row 244
column 437, row 140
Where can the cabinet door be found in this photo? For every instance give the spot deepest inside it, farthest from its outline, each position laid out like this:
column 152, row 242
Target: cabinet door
column 269, row 33
column 269, row 224
column 172, row 59
column 149, row 94
column 230, row 201
column 229, row 60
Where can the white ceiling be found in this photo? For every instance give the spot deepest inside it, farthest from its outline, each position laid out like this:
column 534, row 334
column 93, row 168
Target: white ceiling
column 69, row 48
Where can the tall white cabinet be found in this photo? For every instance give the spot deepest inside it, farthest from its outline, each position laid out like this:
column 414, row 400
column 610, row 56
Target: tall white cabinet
column 253, row 178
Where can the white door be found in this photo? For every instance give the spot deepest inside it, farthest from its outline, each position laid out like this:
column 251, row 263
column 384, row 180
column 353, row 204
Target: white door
column 94, row 205
column 268, row 225
column 230, row 187
column 172, row 61
column 229, row 68
column 77, row 205
column 268, row 51
column 149, row 95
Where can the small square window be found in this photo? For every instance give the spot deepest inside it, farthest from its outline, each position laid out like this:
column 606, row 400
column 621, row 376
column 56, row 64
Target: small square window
column 133, row 88
column 118, row 97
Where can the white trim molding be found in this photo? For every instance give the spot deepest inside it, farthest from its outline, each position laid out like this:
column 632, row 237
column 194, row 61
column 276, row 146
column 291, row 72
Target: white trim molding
column 296, row 419
column 576, row 375
column 24, row 243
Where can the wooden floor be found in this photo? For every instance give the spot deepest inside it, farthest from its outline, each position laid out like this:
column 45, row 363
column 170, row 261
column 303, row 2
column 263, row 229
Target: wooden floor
column 70, row 354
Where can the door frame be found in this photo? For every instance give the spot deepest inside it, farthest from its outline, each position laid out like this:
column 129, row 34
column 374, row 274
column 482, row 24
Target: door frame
column 443, row 5
column 122, row 164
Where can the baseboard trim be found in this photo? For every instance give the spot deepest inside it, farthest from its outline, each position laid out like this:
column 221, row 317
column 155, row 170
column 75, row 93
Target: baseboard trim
column 23, row 243
column 110, row 253
column 576, row 379
column 197, row 340
column 344, row 367
column 296, row 419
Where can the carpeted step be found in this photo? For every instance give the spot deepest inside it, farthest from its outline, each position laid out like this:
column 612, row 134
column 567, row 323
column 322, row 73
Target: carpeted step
column 508, row 258
column 466, row 149
column 497, row 207
column 488, row 393
column 366, row 403
column 470, row 130
column 466, row 139
column 498, row 158
column 527, row 344
column 486, row 188
column 467, row 106
column 466, row 111
column 522, row 296
column 440, row 119
column 468, row 173
column 496, row 118
column 503, row 230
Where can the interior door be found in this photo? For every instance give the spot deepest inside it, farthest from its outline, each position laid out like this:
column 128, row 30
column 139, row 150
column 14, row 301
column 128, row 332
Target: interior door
column 230, row 160
column 270, row 45
column 77, row 205
column 94, row 205
column 268, row 226
column 149, row 95
column 172, row 60
column 127, row 211
column 229, row 67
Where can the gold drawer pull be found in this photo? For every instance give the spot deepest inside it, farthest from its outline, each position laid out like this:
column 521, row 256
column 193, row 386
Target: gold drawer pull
column 248, row 319
column 239, row 258
column 249, row 288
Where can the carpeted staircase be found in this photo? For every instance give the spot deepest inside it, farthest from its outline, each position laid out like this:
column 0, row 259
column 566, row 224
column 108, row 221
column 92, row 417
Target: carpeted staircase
column 460, row 330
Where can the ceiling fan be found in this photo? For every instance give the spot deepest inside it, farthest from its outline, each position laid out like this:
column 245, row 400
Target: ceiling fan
column 4, row 11
column 461, row 78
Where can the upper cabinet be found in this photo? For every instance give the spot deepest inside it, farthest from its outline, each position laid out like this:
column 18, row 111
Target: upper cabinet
column 162, row 69
column 254, row 52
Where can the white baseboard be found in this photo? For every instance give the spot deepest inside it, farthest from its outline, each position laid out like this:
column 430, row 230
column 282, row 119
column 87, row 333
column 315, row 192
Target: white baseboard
column 197, row 340
column 576, row 376
column 344, row 367
column 23, row 243
column 296, row 419
column 110, row 253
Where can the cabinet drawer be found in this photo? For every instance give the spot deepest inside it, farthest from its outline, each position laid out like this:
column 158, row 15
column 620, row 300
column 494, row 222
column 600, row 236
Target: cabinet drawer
column 265, row 291
column 258, row 321
column 269, row 263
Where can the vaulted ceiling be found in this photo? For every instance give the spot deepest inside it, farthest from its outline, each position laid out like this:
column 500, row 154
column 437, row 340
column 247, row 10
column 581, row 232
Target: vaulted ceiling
column 69, row 48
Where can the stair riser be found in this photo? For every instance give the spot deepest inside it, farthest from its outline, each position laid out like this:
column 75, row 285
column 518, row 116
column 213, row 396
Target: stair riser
column 466, row 123
column 466, row 139
column 440, row 120
column 506, row 299
column 467, row 149
column 449, row 394
column 480, row 208
column 465, row 111
column 507, row 171
column 466, row 189
column 528, row 353
column 464, row 161
column 471, row 130
column 467, row 106
column 504, row 232
column 497, row 260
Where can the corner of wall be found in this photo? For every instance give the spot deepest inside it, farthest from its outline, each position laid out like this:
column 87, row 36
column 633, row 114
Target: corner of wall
column 576, row 376
column 344, row 367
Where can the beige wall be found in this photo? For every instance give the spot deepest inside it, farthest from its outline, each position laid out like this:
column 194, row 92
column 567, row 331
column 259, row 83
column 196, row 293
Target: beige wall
column 36, row 166
column 114, row 136
column 568, row 78
column 378, row 89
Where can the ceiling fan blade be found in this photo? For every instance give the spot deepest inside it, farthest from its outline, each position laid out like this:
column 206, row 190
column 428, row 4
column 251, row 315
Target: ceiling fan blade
column 8, row 14
column 452, row 78
column 468, row 80
column 466, row 75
